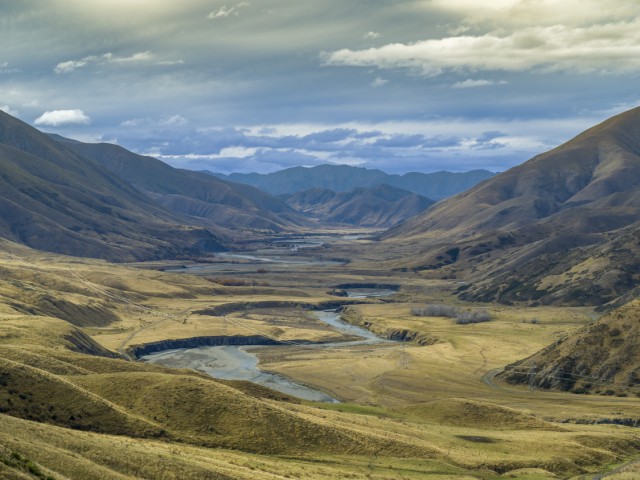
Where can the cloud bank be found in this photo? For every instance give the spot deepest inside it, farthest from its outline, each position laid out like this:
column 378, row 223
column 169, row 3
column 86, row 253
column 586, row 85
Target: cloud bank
column 71, row 65
column 415, row 85
column 609, row 48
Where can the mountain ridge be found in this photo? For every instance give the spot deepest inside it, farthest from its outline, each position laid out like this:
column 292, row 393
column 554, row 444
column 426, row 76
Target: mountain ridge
column 342, row 178
column 207, row 200
column 599, row 358
column 520, row 235
column 56, row 200
column 379, row 206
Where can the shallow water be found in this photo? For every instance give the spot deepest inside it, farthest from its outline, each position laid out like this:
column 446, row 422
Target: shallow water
column 235, row 363
column 368, row 293
column 261, row 258
column 281, row 260
column 332, row 318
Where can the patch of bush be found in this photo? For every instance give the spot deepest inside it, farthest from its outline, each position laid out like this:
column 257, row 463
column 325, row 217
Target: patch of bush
column 435, row 310
column 17, row 461
column 532, row 321
column 472, row 316
column 460, row 317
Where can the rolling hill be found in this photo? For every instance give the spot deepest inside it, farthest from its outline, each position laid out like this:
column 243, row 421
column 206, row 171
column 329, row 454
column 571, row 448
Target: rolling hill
column 380, row 206
column 561, row 227
column 71, row 407
column 600, row 358
column 343, row 178
column 225, row 206
column 53, row 199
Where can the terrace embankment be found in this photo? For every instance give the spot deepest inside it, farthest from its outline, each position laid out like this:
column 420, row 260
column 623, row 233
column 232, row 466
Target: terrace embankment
column 137, row 351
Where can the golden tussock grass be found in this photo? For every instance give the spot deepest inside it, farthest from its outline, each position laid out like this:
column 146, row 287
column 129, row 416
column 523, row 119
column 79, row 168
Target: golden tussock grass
column 411, row 411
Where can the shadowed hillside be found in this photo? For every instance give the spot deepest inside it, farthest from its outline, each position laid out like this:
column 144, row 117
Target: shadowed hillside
column 381, row 206
column 204, row 198
column 54, row 199
column 546, row 229
column 603, row 358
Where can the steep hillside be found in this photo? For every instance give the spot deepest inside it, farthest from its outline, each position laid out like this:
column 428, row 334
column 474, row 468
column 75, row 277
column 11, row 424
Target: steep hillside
column 381, row 206
column 54, row 199
column 213, row 202
column 343, row 178
column 520, row 233
column 601, row 358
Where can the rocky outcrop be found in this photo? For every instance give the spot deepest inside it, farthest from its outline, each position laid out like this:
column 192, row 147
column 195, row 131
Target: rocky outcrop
column 352, row 315
column 412, row 336
column 227, row 308
column 137, row 351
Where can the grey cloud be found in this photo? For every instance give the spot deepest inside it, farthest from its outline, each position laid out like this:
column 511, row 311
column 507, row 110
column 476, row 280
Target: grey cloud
column 262, row 162
column 167, row 79
column 474, row 83
column 489, row 136
column 334, row 135
column 9, row 110
column 379, row 82
column 400, row 141
column 522, row 13
column 599, row 48
column 109, row 58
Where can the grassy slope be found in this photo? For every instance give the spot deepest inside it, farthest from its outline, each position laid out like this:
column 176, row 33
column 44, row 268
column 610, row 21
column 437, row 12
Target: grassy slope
column 601, row 357
column 515, row 233
column 89, row 416
column 53, row 199
column 381, row 206
column 214, row 202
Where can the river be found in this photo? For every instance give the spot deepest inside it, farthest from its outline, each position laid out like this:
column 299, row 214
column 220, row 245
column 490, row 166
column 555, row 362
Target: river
column 236, row 363
column 289, row 252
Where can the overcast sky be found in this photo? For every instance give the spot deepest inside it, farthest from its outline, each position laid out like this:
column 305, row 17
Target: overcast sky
column 263, row 85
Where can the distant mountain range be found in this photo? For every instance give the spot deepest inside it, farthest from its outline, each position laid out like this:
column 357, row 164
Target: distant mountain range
column 562, row 227
column 234, row 209
column 381, row 206
column 343, row 178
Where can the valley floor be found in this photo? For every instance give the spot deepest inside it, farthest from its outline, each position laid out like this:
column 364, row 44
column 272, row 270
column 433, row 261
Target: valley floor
column 428, row 407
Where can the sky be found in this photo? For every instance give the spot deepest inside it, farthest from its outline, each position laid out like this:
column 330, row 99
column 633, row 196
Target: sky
column 262, row 85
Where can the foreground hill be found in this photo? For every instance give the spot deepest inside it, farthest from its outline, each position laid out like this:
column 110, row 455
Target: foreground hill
column 214, row 203
column 380, row 206
column 71, row 408
column 343, row 178
column 54, row 199
column 602, row 358
column 56, row 383
column 561, row 227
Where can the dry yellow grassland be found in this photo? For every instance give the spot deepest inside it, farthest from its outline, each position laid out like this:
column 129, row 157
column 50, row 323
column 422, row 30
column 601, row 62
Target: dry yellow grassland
column 410, row 411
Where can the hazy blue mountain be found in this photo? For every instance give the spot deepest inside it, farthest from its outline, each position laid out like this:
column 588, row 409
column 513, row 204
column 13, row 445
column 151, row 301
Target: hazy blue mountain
column 342, row 178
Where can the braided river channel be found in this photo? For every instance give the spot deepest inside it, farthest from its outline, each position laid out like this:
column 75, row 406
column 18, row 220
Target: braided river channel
column 237, row 363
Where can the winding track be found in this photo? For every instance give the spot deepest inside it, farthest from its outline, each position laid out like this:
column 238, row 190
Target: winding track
column 616, row 470
column 489, row 380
